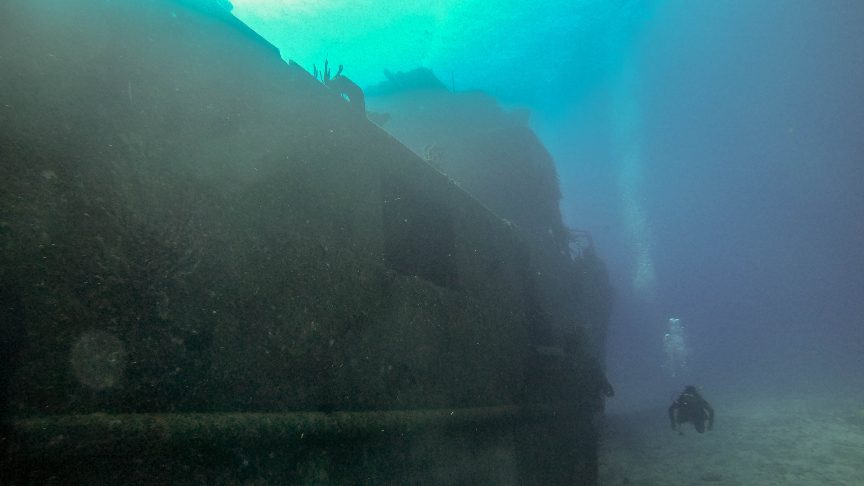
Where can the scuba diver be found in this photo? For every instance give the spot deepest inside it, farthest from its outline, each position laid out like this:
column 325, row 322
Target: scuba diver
column 691, row 408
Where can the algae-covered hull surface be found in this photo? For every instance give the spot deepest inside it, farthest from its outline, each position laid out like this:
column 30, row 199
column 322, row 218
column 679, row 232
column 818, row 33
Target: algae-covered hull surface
column 216, row 270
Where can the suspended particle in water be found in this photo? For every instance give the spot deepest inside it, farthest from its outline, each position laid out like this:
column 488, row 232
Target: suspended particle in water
column 98, row 359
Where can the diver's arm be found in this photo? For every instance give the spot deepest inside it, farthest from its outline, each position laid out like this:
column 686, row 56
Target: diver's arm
column 710, row 414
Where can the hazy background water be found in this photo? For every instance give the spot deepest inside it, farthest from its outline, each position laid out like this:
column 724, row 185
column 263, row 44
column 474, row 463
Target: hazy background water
column 715, row 150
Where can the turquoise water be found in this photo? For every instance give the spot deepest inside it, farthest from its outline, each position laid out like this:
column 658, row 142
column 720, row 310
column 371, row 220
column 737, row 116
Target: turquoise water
column 543, row 54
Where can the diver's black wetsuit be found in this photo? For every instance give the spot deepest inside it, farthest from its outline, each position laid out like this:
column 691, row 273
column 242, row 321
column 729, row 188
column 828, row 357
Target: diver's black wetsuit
column 691, row 408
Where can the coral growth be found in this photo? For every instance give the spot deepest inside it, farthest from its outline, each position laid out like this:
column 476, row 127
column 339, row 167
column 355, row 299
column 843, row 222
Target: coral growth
column 341, row 85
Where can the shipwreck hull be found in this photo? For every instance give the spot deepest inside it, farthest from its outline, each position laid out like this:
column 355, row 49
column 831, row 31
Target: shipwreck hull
column 214, row 269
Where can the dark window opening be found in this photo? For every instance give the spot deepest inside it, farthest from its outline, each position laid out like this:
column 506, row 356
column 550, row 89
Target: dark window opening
column 419, row 235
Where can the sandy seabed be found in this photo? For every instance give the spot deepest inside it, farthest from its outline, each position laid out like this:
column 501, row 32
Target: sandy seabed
column 771, row 441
